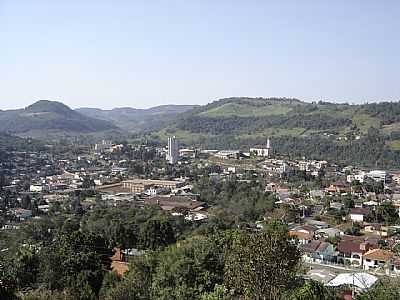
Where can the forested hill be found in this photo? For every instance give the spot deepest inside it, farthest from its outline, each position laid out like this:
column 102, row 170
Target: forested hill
column 341, row 132
column 138, row 120
column 47, row 117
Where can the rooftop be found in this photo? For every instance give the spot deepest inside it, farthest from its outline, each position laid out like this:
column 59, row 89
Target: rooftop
column 379, row 254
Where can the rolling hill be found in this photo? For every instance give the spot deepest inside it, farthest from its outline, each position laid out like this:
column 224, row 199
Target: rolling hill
column 320, row 130
column 50, row 118
column 253, row 117
column 361, row 134
column 138, row 120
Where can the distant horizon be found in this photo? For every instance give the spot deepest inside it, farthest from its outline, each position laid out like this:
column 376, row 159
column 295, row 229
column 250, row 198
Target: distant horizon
column 195, row 104
column 143, row 54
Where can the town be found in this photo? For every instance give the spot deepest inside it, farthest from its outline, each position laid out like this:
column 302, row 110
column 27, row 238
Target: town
column 344, row 220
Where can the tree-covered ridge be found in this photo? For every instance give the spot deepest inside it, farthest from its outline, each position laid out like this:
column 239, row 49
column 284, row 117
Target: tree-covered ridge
column 331, row 131
column 287, row 113
column 44, row 116
column 387, row 112
column 9, row 142
column 227, row 125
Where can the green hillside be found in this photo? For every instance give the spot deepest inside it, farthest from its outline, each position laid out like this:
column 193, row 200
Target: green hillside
column 277, row 117
column 247, row 108
column 138, row 120
column 45, row 118
column 325, row 130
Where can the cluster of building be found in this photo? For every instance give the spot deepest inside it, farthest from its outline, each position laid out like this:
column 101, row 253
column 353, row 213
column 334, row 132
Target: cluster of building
column 369, row 252
column 322, row 217
column 174, row 196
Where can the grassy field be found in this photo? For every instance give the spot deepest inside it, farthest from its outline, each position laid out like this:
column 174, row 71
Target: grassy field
column 245, row 110
column 392, row 127
column 273, row 131
column 394, row 145
column 364, row 121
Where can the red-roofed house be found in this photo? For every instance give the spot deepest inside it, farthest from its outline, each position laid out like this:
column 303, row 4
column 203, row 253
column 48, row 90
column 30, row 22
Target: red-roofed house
column 304, row 233
column 352, row 251
column 378, row 258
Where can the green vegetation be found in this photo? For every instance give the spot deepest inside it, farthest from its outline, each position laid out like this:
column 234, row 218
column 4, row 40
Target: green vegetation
column 247, row 109
column 367, row 135
column 394, row 145
column 138, row 120
column 44, row 116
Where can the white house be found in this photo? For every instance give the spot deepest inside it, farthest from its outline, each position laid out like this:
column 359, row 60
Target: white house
column 378, row 259
column 358, row 214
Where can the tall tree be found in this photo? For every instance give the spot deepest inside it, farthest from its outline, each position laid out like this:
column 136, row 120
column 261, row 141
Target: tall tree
column 74, row 256
column 261, row 265
column 156, row 233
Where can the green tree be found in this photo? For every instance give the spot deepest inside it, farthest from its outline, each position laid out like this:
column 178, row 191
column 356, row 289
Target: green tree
column 261, row 265
column 189, row 270
column 156, row 233
column 311, row 290
column 26, row 202
column 74, row 256
column 385, row 290
column 219, row 293
column 137, row 283
column 387, row 213
column 25, row 267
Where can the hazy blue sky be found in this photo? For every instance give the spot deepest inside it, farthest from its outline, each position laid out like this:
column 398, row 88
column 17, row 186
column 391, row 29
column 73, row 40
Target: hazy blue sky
column 144, row 53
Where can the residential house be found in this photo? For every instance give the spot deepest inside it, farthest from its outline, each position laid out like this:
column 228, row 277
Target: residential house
column 304, row 233
column 329, row 232
column 358, row 214
column 338, row 188
column 352, row 251
column 317, row 251
column 318, row 224
column 336, row 205
column 377, row 229
column 378, row 259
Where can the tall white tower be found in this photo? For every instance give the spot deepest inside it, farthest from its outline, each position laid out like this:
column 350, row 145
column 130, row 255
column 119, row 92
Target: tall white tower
column 173, row 150
column 268, row 147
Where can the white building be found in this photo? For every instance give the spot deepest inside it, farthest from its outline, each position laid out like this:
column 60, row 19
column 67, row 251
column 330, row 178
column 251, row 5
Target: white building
column 173, row 150
column 360, row 177
column 228, row 154
column 378, row 175
column 103, row 147
column 263, row 152
column 191, row 153
column 36, row 188
column 358, row 214
column 259, row 151
column 379, row 259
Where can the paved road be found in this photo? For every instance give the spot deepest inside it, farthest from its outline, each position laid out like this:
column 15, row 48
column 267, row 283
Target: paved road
column 336, row 269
